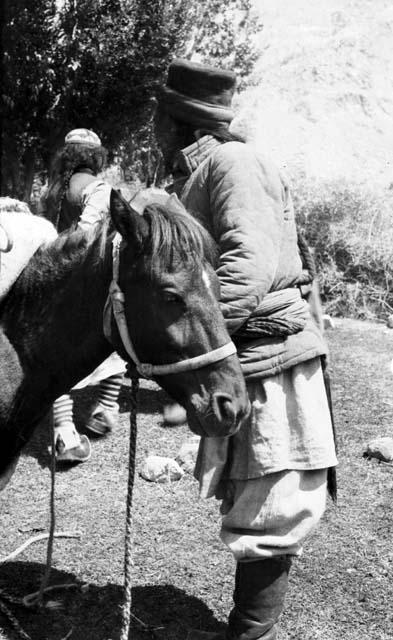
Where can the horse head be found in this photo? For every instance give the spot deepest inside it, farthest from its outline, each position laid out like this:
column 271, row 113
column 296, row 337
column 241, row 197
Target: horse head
column 172, row 313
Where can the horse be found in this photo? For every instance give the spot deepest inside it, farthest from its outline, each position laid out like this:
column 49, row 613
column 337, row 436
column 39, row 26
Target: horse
column 51, row 327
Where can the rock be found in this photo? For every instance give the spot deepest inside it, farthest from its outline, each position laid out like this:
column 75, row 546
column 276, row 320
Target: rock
column 389, row 321
column 174, row 414
column 380, row 448
column 187, row 454
column 160, row 469
column 328, row 322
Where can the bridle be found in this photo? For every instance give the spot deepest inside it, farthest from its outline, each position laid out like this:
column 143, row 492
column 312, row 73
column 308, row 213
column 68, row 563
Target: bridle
column 115, row 305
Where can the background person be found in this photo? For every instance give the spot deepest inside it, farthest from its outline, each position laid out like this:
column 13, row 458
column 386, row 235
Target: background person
column 75, row 195
column 271, row 476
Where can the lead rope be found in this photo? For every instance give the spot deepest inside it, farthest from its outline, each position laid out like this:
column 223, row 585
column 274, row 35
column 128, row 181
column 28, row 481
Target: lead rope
column 14, row 622
column 126, row 610
column 49, row 549
column 36, row 599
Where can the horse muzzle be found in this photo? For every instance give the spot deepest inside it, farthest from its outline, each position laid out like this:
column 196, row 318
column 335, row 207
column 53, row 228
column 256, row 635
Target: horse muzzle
column 220, row 415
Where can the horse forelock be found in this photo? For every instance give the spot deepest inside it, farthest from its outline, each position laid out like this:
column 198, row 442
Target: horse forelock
column 176, row 236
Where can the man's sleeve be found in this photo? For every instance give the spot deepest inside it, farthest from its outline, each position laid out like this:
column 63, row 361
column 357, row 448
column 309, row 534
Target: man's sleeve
column 95, row 204
column 246, row 207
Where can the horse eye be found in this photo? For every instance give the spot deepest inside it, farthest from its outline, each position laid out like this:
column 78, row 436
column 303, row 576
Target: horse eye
column 172, row 298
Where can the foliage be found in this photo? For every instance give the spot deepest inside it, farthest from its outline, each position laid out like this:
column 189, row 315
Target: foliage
column 225, row 34
column 26, row 83
column 222, row 34
column 351, row 230
column 97, row 64
column 81, row 63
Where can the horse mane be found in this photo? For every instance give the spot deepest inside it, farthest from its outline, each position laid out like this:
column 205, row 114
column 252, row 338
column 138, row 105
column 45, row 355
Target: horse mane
column 176, row 235
column 53, row 262
column 67, row 250
column 173, row 235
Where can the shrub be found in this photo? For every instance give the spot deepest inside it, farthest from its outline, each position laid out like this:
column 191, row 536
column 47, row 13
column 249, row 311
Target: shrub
column 350, row 227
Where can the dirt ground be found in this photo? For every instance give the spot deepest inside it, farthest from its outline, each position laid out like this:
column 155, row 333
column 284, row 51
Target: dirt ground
column 341, row 588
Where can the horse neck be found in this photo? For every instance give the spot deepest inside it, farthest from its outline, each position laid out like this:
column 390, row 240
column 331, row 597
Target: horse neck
column 54, row 321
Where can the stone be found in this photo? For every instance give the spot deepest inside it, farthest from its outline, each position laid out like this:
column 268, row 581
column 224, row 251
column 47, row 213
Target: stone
column 380, row 448
column 174, row 414
column 160, row 469
column 187, row 454
column 389, row 321
column 328, row 322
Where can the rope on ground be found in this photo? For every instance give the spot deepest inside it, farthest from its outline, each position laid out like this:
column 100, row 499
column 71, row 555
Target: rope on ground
column 126, row 610
column 41, row 536
column 31, row 599
column 14, row 622
column 49, row 550
column 36, row 599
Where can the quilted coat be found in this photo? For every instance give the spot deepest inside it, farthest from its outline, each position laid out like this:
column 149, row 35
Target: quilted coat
column 245, row 203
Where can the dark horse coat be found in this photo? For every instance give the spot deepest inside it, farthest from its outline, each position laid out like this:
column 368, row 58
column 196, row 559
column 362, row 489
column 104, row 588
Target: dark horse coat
column 51, row 333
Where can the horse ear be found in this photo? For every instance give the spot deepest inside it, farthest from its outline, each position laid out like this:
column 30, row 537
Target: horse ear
column 129, row 223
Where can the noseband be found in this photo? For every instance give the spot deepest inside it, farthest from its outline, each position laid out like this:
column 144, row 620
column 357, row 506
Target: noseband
column 115, row 304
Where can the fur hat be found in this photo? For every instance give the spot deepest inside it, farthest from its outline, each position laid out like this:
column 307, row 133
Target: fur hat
column 83, row 136
column 198, row 94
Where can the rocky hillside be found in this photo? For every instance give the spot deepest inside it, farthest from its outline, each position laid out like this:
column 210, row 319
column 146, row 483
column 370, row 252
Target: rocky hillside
column 322, row 100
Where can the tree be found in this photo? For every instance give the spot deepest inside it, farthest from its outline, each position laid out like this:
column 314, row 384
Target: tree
column 97, row 64
column 225, row 34
column 25, row 84
column 78, row 63
column 212, row 32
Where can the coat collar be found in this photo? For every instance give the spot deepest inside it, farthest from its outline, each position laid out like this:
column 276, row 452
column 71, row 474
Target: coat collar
column 189, row 159
column 81, row 168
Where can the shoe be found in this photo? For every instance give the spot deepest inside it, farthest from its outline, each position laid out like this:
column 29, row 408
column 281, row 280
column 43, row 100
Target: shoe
column 102, row 420
column 81, row 453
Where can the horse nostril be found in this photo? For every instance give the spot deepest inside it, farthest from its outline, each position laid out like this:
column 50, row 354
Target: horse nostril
column 223, row 407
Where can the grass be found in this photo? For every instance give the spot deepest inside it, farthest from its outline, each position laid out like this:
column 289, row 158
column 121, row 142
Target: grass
column 340, row 589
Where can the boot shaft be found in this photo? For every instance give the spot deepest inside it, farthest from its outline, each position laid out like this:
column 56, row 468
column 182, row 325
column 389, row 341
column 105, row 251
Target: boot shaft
column 260, row 589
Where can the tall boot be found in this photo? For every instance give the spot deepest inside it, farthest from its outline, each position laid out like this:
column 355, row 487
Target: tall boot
column 105, row 413
column 260, row 589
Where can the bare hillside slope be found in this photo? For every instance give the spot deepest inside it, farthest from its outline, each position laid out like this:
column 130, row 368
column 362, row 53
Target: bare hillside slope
column 323, row 100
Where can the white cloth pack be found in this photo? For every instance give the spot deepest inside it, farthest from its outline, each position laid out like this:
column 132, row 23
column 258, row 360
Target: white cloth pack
column 27, row 233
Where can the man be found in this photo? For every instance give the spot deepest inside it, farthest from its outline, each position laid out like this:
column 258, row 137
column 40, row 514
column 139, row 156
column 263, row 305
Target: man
column 76, row 195
column 270, row 476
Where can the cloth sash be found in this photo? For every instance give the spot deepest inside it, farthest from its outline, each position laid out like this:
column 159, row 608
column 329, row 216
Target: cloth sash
column 281, row 313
